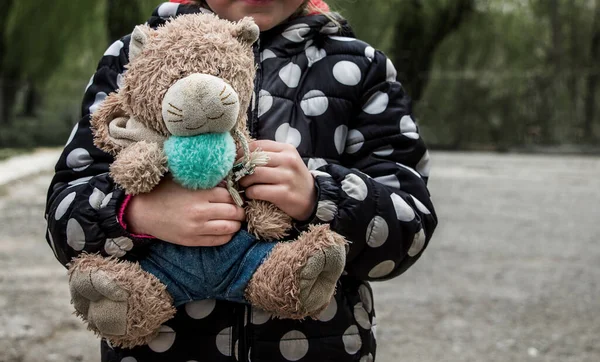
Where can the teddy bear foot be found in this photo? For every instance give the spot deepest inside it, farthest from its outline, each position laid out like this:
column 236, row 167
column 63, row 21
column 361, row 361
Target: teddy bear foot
column 298, row 279
column 118, row 300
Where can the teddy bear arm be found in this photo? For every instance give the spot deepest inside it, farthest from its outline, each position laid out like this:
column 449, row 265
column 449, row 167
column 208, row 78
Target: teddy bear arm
column 139, row 167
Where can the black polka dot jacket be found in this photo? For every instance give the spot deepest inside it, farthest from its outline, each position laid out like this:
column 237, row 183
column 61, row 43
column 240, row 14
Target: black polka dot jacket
column 337, row 100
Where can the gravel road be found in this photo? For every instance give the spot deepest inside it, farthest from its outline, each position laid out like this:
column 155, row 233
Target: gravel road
column 513, row 272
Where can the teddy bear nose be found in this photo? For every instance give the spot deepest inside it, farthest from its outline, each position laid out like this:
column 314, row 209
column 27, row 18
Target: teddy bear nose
column 200, row 103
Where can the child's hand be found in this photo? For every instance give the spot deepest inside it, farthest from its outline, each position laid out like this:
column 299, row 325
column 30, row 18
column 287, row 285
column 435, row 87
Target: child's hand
column 185, row 217
column 285, row 181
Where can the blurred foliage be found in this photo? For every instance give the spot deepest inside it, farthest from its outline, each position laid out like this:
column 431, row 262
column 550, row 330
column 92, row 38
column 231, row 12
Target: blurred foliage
column 484, row 74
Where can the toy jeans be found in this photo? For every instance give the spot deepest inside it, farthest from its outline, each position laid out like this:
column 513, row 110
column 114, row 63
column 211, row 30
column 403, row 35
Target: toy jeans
column 196, row 273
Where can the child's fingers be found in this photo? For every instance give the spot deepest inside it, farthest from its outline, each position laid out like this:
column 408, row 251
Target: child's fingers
column 219, row 195
column 269, row 146
column 225, row 212
column 220, row 227
column 262, row 175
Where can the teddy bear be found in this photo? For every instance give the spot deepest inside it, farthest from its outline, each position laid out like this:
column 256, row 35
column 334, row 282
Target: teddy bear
column 181, row 113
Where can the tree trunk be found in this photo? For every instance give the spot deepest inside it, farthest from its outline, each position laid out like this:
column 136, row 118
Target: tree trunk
column 593, row 78
column 33, row 98
column 417, row 38
column 5, row 103
column 122, row 17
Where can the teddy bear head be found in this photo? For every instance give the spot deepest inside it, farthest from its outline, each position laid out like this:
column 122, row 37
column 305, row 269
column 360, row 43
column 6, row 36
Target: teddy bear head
column 193, row 75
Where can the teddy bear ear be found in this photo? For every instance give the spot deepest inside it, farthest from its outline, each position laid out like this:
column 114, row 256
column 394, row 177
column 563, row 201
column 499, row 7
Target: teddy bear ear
column 246, row 30
column 139, row 37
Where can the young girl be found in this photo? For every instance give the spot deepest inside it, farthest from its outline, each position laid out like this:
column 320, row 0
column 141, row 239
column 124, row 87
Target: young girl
column 344, row 150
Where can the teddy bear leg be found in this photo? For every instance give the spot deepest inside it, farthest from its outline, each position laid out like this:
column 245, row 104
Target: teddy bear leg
column 118, row 300
column 298, row 279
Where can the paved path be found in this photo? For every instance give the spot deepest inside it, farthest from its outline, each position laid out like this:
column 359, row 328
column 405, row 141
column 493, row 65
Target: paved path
column 513, row 273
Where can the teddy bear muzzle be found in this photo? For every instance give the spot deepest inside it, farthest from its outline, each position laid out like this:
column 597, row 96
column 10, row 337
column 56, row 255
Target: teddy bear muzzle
column 198, row 104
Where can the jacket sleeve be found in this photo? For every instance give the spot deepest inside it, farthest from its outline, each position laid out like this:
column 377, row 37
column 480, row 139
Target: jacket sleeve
column 83, row 201
column 377, row 196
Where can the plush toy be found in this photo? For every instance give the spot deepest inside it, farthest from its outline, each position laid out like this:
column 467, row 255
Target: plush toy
column 181, row 113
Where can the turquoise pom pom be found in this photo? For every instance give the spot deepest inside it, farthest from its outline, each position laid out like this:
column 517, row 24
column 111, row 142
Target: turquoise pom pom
column 200, row 162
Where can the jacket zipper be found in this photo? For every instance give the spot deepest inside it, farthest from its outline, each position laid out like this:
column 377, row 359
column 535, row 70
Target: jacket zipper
column 244, row 311
column 253, row 114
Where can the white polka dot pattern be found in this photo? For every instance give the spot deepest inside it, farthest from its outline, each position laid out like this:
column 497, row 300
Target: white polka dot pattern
column 342, row 38
column 200, row 309
column 391, row 73
column 339, row 138
column 377, row 104
column 118, row 247
column 114, row 49
column 384, row 151
column 314, row 103
column 316, row 173
column 259, row 316
column 389, row 180
column 64, row 205
column 418, row 244
column 293, row 346
column 424, row 166
column 420, row 206
column 326, row 210
column 265, row 102
column 129, row 359
column 382, row 269
column 51, row 242
column 106, row 200
column 290, row 75
column 314, row 54
column 315, row 163
column 329, row 312
column 347, row 73
column 267, row 54
column 91, row 81
column 100, row 97
column 288, row 134
column 367, row 358
column 167, row 10
column 355, row 187
column 79, row 159
column 96, row 198
column 72, row 135
column 361, row 316
column 75, row 235
column 80, row 181
column 352, row 341
column 329, row 28
column 370, row 53
column 354, row 142
column 164, row 340
column 412, row 170
column 296, row 32
column 377, row 232
column 224, row 342
column 365, row 298
column 403, row 210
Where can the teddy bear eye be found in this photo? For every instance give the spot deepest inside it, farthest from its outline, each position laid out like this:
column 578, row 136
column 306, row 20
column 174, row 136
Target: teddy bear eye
column 218, row 72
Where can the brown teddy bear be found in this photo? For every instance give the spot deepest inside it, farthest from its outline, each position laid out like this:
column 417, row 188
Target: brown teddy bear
column 181, row 111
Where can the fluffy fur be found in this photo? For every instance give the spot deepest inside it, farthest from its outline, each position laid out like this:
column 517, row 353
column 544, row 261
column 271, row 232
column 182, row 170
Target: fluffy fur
column 139, row 167
column 179, row 50
column 267, row 221
column 298, row 279
column 202, row 161
column 149, row 303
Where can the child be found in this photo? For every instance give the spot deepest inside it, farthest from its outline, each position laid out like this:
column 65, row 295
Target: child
column 343, row 150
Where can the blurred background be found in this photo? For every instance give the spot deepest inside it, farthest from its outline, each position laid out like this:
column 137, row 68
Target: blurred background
column 507, row 94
